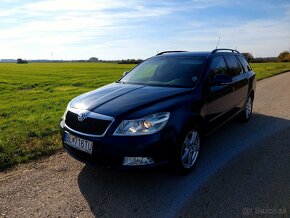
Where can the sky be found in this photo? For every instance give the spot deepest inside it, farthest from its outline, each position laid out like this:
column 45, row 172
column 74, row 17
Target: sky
column 115, row 29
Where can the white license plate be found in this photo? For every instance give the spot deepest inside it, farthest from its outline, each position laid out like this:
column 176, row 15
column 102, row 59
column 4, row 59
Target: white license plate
column 78, row 143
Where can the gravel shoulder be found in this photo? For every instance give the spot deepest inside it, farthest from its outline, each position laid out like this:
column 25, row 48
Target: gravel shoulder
column 44, row 188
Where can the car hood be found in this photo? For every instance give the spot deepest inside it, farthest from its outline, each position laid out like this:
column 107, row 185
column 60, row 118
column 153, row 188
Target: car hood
column 117, row 98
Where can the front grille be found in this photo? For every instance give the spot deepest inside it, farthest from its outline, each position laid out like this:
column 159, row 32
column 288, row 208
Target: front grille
column 89, row 125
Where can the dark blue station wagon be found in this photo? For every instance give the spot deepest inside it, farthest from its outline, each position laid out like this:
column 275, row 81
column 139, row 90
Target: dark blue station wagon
column 159, row 111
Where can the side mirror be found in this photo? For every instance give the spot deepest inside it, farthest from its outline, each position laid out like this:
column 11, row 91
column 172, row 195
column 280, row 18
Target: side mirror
column 125, row 73
column 221, row 79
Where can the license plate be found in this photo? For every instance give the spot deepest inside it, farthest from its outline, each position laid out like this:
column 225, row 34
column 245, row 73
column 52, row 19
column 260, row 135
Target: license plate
column 78, row 143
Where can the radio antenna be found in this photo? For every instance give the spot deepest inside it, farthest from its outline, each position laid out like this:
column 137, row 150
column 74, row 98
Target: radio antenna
column 218, row 42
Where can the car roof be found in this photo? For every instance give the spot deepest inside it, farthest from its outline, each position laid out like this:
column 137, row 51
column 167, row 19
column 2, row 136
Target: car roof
column 184, row 53
column 198, row 53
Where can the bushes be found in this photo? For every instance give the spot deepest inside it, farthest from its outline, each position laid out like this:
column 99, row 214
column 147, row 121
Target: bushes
column 284, row 56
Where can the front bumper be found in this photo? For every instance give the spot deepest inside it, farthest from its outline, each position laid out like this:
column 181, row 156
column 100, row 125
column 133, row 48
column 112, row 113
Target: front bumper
column 109, row 151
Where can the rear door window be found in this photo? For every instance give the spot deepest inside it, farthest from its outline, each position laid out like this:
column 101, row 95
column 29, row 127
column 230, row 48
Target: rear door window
column 234, row 67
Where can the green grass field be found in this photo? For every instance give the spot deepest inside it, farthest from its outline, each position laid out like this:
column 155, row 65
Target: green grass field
column 264, row 70
column 34, row 96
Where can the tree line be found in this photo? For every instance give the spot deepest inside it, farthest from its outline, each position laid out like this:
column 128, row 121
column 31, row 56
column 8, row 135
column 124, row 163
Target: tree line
column 282, row 57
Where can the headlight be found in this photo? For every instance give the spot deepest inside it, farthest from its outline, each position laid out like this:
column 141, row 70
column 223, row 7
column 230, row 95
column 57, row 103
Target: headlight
column 143, row 126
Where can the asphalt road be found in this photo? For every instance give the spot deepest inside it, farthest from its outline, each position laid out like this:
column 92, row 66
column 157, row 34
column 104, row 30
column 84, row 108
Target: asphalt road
column 243, row 170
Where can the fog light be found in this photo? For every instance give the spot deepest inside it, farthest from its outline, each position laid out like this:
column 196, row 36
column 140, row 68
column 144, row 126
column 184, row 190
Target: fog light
column 137, row 161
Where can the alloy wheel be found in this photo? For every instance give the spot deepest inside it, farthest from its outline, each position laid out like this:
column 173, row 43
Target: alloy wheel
column 190, row 149
column 248, row 110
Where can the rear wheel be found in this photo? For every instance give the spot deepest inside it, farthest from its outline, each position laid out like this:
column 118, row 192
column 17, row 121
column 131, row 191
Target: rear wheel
column 247, row 112
column 188, row 150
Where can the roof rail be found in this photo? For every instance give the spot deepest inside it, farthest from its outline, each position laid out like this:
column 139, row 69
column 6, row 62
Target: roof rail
column 224, row 49
column 164, row 52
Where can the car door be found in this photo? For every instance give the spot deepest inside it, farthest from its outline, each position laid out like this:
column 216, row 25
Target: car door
column 218, row 96
column 239, row 81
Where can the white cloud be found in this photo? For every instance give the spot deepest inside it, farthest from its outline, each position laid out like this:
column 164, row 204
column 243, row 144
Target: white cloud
column 262, row 37
column 57, row 24
column 74, row 5
column 129, row 29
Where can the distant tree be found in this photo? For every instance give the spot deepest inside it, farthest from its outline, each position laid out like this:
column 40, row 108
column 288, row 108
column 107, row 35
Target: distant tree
column 284, row 56
column 93, row 59
column 249, row 57
column 20, row 61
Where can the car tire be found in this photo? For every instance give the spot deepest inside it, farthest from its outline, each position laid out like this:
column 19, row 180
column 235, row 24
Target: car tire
column 188, row 148
column 247, row 112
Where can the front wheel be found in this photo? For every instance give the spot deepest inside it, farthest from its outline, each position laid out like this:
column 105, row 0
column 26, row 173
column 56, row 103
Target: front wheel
column 188, row 150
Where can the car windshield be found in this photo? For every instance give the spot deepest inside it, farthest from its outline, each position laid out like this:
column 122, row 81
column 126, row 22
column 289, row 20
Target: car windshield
column 166, row 71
